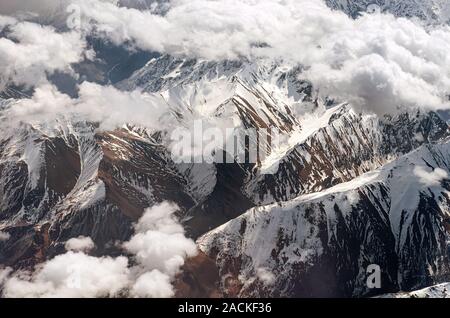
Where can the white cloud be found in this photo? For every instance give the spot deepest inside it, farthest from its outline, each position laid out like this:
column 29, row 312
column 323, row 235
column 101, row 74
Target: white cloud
column 80, row 244
column 104, row 104
column 5, row 21
column 159, row 249
column 160, row 218
column 71, row 275
column 430, row 178
column 153, row 284
column 30, row 52
column 4, row 236
column 160, row 242
column 378, row 62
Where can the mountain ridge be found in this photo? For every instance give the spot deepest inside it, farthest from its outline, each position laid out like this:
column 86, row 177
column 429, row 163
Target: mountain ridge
column 68, row 178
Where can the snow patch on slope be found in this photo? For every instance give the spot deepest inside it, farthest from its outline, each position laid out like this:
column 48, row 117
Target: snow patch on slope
column 437, row 291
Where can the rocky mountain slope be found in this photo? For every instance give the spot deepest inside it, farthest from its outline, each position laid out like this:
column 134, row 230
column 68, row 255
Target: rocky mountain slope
column 344, row 190
column 320, row 244
column 437, row 291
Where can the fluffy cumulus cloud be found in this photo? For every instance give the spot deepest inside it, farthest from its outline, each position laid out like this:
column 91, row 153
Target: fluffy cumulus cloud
column 159, row 241
column 83, row 244
column 153, row 284
column 71, row 275
column 104, row 104
column 29, row 52
column 158, row 249
column 378, row 62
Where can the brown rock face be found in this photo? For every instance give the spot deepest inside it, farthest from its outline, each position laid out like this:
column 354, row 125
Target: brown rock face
column 199, row 278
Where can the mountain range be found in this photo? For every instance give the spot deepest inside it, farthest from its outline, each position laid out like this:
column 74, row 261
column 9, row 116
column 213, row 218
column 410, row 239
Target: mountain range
column 344, row 191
